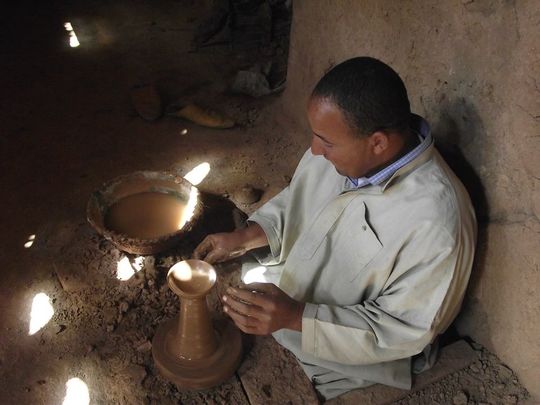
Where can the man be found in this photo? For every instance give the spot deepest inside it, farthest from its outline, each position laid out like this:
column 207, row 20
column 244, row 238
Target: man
column 370, row 246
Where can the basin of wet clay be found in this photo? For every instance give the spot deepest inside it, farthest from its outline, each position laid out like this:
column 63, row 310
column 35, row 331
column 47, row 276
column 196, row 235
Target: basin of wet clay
column 190, row 350
column 145, row 212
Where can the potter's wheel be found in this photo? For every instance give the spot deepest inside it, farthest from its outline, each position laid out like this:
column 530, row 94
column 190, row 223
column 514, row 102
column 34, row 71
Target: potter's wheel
column 145, row 212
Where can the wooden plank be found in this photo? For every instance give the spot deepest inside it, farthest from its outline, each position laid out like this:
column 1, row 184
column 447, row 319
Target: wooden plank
column 453, row 358
column 270, row 374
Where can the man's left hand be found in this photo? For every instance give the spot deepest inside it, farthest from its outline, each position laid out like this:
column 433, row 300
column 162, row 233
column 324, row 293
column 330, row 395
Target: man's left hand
column 262, row 308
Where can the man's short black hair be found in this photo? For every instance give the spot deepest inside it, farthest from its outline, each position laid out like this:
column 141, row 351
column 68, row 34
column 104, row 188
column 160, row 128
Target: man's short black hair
column 370, row 94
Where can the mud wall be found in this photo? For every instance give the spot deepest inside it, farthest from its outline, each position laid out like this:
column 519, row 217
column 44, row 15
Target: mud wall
column 472, row 69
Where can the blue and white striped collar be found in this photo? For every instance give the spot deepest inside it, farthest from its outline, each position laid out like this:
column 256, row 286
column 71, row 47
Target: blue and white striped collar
column 420, row 127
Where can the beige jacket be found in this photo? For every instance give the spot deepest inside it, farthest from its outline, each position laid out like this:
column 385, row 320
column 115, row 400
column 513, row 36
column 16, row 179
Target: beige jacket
column 383, row 269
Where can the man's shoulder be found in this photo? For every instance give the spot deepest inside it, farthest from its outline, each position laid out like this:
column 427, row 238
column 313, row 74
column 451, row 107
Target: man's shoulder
column 431, row 194
column 309, row 159
column 315, row 166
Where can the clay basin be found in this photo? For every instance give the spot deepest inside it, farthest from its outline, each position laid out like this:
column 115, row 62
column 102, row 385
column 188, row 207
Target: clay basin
column 145, row 213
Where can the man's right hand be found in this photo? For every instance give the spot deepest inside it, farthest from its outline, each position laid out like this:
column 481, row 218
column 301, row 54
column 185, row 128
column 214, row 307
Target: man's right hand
column 220, row 247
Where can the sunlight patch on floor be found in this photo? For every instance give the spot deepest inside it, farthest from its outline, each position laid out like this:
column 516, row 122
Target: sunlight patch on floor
column 41, row 312
column 30, row 241
column 198, row 173
column 73, row 40
column 255, row 275
column 125, row 269
column 138, row 263
column 76, row 392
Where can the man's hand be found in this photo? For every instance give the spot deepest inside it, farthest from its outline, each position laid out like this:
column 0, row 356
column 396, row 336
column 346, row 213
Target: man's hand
column 220, row 247
column 262, row 308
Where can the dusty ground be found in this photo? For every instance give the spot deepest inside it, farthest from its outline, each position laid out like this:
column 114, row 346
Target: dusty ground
column 67, row 127
column 485, row 381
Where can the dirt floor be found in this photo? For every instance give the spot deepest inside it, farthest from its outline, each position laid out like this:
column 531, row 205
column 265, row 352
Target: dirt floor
column 67, row 127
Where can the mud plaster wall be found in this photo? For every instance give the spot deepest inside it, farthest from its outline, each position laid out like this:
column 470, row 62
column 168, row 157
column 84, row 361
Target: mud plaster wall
column 472, row 68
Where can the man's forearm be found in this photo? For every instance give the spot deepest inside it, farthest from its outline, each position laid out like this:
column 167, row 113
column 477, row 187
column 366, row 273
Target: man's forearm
column 252, row 236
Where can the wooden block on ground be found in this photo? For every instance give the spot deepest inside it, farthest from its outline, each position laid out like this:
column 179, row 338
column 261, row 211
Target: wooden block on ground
column 453, row 358
column 270, row 374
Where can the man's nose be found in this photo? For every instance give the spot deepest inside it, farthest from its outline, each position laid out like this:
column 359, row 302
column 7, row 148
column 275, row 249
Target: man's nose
column 316, row 146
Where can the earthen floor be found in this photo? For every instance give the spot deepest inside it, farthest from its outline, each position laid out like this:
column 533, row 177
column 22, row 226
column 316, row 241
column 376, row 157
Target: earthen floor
column 67, row 127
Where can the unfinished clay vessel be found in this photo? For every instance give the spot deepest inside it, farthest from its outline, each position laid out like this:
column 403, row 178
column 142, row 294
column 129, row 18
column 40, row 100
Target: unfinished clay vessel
column 145, row 212
column 190, row 350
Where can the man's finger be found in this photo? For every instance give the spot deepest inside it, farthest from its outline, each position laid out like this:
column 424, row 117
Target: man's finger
column 252, row 311
column 240, row 319
column 216, row 256
column 202, row 250
column 248, row 329
column 247, row 296
column 261, row 287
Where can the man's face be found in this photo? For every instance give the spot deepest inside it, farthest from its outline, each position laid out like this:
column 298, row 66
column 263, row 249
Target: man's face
column 334, row 139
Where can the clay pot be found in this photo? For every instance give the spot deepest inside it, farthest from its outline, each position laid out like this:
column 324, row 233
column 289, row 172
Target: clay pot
column 190, row 350
column 136, row 183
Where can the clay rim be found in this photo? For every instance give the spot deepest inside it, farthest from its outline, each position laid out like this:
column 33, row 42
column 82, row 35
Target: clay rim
column 186, row 294
column 95, row 201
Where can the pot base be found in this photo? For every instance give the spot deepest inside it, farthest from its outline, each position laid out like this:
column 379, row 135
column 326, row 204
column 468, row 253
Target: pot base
column 202, row 373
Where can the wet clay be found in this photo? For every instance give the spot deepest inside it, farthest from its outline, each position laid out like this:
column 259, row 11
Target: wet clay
column 147, row 215
column 187, row 280
column 191, row 350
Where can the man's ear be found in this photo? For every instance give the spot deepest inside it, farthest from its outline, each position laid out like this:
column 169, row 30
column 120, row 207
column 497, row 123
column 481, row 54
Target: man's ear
column 379, row 142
